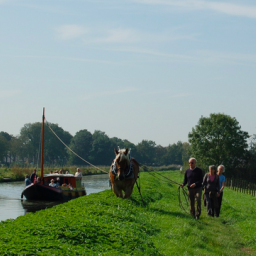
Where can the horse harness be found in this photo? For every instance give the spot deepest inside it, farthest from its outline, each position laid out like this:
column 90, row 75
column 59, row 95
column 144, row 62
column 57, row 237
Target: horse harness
column 128, row 171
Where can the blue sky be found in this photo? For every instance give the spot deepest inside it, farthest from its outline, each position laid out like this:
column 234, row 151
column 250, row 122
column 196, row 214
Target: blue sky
column 135, row 69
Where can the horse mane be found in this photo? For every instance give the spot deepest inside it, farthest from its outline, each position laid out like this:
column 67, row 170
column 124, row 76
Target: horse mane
column 122, row 155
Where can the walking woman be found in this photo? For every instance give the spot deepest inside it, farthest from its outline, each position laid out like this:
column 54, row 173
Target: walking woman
column 222, row 180
column 211, row 189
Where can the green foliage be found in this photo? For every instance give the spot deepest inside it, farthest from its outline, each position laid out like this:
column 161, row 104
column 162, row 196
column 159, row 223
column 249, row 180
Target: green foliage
column 18, row 173
column 102, row 224
column 81, row 144
column 96, row 148
column 218, row 139
column 3, row 147
column 54, row 150
column 146, row 151
column 102, row 151
column 176, row 153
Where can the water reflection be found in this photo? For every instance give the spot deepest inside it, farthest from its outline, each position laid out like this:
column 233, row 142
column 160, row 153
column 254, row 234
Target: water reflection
column 12, row 206
column 33, row 206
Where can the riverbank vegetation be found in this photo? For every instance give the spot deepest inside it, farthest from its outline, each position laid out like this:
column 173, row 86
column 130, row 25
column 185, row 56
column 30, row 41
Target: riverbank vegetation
column 101, row 224
column 18, row 173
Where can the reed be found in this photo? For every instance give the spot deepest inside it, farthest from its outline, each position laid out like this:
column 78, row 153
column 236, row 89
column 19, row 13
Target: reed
column 18, row 173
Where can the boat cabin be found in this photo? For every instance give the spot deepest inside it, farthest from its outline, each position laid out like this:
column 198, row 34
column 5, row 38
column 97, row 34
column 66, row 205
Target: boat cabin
column 64, row 180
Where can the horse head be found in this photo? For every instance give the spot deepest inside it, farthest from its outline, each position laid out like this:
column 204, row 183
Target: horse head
column 122, row 163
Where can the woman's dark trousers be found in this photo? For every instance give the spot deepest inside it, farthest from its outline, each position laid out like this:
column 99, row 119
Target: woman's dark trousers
column 219, row 204
column 212, row 205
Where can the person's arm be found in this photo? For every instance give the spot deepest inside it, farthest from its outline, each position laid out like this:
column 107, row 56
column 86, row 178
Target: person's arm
column 223, row 186
column 204, row 180
column 185, row 180
column 217, row 184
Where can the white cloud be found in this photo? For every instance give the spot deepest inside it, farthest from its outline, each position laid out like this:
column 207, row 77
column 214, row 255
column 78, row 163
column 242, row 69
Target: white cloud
column 222, row 7
column 8, row 93
column 169, row 94
column 154, row 53
column 109, row 93
column 66, row 32
column 120, row 36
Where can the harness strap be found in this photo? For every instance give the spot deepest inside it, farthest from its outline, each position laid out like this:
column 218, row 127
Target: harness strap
column 129, row 168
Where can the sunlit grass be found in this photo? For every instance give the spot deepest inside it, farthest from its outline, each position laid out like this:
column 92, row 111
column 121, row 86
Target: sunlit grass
column 101, row 224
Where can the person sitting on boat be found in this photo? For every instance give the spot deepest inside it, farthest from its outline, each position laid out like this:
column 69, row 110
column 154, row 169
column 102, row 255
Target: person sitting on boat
column 27, row 180
column 70, row 186
column 33, row 177
column 67, row 172
column 78, row 173
column 50, row 172
column 58, row 182
column 38, row 180
column 61, row 171
column 52, row 184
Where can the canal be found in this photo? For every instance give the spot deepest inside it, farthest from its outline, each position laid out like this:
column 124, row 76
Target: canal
column 11, row 205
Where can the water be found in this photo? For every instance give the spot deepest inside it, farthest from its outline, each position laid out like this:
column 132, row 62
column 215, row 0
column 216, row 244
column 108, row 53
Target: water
column 11, row 206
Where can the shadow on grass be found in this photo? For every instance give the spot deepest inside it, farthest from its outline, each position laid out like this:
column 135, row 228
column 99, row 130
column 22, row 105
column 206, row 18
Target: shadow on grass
column 169, row 213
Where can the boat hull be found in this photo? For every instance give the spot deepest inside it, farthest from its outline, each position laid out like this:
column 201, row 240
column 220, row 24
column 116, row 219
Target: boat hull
column 47, row 193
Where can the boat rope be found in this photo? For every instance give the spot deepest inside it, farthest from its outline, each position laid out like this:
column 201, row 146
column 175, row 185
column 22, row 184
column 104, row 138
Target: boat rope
column 72, row 150
column 184, row 193
column 138, row 186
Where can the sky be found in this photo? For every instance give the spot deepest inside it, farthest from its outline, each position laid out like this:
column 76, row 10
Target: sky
column 134, row 69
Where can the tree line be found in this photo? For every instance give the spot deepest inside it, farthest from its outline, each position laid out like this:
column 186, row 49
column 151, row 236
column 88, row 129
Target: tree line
column 96, row 148
column 217, row 139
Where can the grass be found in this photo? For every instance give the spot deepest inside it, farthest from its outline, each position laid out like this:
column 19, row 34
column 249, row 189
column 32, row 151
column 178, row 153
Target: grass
column 101, row 224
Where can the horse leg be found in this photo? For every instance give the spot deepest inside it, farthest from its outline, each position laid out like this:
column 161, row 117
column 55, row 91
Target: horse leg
column 128, row 191
column 118, row 192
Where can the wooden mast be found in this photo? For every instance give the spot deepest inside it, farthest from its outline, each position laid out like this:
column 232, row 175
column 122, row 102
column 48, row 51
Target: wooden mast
column 42, row 150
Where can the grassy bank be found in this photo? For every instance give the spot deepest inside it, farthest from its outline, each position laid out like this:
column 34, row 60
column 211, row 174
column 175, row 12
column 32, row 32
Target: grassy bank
column 101, row 224
column 18, row 173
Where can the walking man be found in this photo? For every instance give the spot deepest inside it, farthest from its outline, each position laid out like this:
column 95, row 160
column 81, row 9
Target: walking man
column 194, row 178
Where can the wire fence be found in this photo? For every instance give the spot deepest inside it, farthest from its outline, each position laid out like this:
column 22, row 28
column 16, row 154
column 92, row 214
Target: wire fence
column 241, row 186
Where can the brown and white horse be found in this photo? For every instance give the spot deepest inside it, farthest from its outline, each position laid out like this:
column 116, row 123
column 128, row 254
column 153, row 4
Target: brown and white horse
column 123, row 173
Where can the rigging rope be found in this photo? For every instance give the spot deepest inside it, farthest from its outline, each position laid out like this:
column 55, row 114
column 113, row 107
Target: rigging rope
column 72, row 150
column 179, row 194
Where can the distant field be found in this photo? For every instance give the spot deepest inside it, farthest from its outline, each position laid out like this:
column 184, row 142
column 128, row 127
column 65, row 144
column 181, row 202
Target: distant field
column 101, row 224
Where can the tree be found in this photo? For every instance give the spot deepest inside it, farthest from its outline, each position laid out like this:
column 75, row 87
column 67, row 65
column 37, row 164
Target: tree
column 160, row 153
column 102, row 152
column 146, row 151
column 30, row 136
column 218, row 139
column 174, row 154
column 54, row 150
column 3, row 147
column 81, row 144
